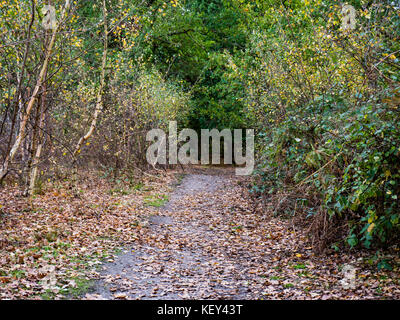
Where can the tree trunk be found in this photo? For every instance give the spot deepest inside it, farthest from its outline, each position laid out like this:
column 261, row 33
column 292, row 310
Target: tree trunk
column 99, row 100
column 40, row 143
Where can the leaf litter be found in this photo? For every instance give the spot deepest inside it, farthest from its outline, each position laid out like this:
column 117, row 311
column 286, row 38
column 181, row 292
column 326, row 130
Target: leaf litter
column 209, row 241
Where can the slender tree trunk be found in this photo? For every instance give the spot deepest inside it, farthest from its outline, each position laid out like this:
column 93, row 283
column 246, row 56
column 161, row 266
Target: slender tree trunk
column 38, row 151
column 37, row 135
column 99, row 100
column 32, row 142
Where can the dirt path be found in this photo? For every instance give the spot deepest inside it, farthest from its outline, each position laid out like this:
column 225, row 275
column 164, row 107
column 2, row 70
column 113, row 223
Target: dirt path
column 189, row 249
column 208, row 243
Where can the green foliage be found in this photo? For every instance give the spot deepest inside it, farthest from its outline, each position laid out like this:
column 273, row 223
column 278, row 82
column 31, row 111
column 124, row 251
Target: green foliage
column 196, row 42
column 157, row 200
column 218, row 96
column 326, row 104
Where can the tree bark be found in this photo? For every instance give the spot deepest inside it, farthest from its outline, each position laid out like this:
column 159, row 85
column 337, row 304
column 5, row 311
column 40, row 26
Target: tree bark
column 38, row 151
column 99, row 100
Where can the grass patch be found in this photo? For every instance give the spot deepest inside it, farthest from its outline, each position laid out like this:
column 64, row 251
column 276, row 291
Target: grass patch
column 157, row 200
column 299, row 266
column 83, row 285
column 138, row 186
column 118, row 192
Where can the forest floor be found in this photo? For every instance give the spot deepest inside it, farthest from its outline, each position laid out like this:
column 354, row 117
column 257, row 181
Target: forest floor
column 175, row 235
column 208, row 243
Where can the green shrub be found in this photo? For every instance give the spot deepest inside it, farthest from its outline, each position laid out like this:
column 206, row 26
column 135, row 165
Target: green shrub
column 328, row 120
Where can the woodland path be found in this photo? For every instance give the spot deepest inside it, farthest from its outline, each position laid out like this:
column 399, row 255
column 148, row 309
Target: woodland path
column 194, row 247
column 208, row 242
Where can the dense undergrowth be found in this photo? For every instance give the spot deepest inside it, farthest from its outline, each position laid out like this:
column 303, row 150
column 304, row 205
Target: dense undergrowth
column 329, row 135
